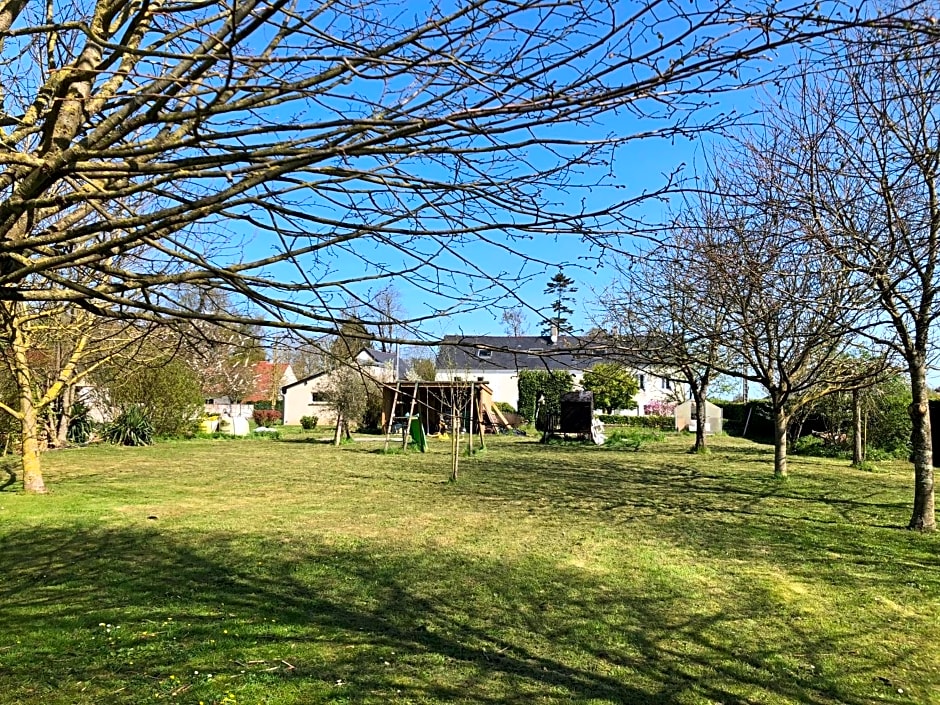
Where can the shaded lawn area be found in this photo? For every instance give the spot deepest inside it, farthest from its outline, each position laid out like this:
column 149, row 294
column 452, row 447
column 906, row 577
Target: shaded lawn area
column 278, row 572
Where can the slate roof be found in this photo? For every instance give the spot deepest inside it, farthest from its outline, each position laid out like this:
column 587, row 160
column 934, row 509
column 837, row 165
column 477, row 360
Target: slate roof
column 380, row 358
column 527, row 352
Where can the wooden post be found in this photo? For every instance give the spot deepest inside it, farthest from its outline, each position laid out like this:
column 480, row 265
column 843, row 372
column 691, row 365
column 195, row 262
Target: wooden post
column 391, row 414
column 411, row 411
column 470, row 423
column 858, row 440
column 454, row 444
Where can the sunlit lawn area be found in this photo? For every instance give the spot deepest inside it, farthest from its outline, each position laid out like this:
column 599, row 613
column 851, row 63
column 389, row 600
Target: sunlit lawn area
column 293, row 572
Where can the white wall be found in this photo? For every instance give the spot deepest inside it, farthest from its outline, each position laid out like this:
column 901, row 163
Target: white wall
column 298, row 402
column 505, row 385
column 298, row 399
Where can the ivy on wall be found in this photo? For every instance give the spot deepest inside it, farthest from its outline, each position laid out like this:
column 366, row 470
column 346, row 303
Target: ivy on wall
column 551, row 384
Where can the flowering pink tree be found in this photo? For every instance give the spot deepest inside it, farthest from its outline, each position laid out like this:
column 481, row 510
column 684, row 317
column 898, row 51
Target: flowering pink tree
column 659, row 408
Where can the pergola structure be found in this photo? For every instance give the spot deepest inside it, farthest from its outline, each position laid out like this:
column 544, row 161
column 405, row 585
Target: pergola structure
column 440, row 405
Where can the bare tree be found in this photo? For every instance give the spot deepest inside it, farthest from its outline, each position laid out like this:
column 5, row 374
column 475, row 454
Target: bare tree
column 514, row 322
column 306, row 359
column 298, row 152
column 665, row 307
column 224, row 357
column 50, row 348
column 783, row 317
column 864, row 161
column 387, row 309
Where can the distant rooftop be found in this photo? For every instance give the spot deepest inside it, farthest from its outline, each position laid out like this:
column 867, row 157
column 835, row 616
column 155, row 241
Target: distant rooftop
column 526, row 352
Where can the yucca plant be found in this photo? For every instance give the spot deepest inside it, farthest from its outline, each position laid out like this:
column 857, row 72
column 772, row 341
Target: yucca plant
column 80, row 424
column 131, row 428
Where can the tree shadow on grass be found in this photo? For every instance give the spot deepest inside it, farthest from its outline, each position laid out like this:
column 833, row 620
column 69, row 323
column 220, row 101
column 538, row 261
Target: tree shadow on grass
column 845, row 533
column 117, row 615
column 8, row 467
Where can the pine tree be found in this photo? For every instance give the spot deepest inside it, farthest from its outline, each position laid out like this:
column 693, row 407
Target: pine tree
column 562, row 288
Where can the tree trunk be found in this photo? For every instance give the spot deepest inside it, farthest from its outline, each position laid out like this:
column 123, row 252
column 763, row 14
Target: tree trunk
column 62, row 422
column 29, row 421
column 32, row 470
column 797, row 430
column 858, row 435
column 922, row 518
column 338, row 433
column 700, row 419
column 781, row 421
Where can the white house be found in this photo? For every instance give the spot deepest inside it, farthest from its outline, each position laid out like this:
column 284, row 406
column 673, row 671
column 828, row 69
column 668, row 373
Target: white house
column 307, row 396
column 497, row 360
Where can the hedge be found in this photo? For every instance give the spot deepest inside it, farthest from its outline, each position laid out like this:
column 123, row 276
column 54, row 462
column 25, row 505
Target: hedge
column 551, row 384
column 661, row 423
column 735, row 415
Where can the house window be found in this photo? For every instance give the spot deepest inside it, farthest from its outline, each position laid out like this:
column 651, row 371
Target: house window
column 642, row 381
column 667, row 384
column 317, row 396
column 484, row 353
column 479, row 379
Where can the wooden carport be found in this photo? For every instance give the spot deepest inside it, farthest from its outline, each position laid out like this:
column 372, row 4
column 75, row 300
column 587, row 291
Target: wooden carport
column 438, row 403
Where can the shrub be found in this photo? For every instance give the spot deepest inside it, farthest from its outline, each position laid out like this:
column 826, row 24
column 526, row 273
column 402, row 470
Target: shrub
column 371, row 420
column 879, row 454
column 169, row 394
column 658, row 407
column 814, row 446
column 755, row 415
column 889, row 424
column 267, row 434
column 633, row 438
column 551, row 384
column 505, row 407
column 613, row 386
column 131, row 428
column 661, row 423
column 80, row 424
column 266, row 417
column 308, row 423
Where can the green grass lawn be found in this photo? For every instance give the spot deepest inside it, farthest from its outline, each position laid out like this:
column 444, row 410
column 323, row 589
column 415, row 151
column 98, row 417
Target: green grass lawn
column 293, row 572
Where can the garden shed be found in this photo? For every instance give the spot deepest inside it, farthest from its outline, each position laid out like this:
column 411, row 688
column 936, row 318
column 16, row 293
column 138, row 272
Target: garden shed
column 577, row 412
column 687, row 421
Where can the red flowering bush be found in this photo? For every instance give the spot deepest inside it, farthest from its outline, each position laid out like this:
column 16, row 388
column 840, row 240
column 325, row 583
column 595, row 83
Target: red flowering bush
column 266, row 417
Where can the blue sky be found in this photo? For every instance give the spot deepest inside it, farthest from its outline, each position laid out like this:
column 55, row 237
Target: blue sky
column 522, row 265
column 643, row 167
column 640, row 166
